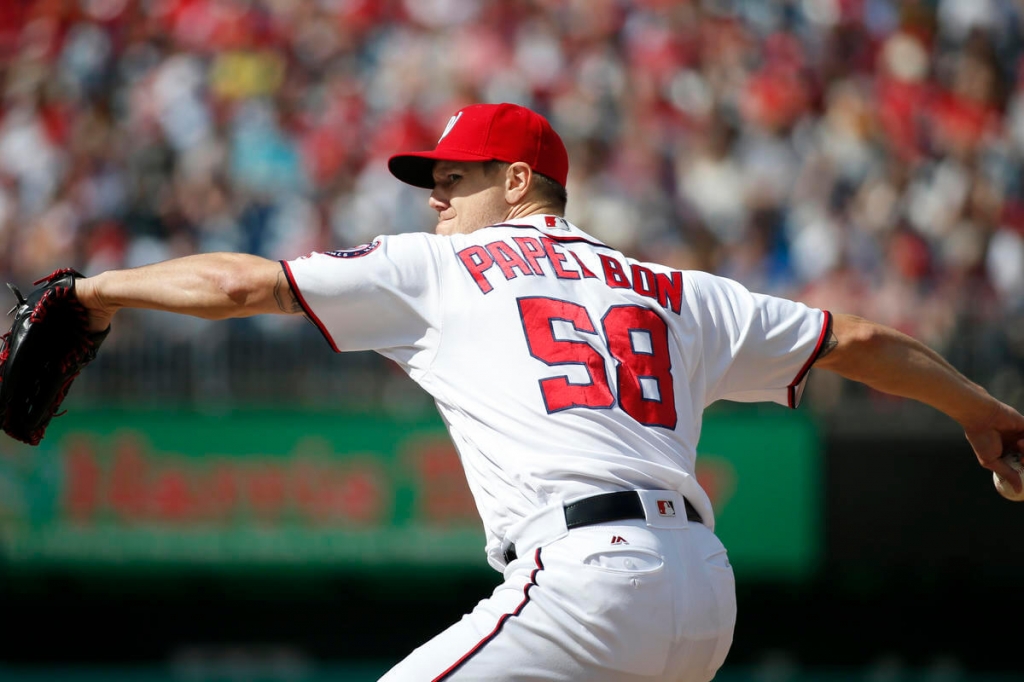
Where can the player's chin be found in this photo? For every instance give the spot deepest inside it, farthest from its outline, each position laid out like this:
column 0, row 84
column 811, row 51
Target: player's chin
column 446, row 227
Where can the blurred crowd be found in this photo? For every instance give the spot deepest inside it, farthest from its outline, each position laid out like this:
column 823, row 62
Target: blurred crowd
column 866, row 156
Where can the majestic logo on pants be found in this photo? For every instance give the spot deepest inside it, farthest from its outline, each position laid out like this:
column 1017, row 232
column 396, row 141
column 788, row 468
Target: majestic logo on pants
column 666, row 508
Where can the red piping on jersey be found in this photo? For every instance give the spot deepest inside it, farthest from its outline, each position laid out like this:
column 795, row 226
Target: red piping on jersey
column 791, row 389
column 305, row 307
column 501, row 622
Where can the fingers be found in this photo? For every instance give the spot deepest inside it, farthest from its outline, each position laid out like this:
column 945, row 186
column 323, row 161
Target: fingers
column 999, row 446
column 987, row 446
column 1004, row 469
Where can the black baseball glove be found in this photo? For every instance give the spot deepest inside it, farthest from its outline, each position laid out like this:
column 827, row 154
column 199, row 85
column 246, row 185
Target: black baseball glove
column 48, row 345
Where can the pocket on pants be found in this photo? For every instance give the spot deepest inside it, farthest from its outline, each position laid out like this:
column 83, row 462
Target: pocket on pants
column 623, row 602
column 631, row 561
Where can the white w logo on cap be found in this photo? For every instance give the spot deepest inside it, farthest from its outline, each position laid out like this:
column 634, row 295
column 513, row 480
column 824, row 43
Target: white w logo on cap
column 448, row 128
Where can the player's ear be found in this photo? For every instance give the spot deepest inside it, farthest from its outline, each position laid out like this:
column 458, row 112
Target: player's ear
column 518, row 176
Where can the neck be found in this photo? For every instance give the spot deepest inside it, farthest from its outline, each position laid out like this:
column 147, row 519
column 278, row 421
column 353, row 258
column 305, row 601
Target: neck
column 529, row 208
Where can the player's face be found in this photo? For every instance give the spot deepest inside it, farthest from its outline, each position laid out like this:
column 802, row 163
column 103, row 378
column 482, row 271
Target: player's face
column 467, row 198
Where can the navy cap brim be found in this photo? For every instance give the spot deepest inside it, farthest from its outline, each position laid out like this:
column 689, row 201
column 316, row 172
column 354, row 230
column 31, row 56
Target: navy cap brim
column 417, row 168
column 417, row 171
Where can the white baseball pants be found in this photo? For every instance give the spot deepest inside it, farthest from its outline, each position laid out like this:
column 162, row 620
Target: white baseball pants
column 616, row 602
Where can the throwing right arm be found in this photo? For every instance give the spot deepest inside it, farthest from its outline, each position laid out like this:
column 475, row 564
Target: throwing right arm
column 892, row 362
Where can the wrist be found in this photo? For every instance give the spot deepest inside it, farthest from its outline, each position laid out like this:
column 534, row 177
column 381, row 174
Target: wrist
column 983, row 416
column 89, row 292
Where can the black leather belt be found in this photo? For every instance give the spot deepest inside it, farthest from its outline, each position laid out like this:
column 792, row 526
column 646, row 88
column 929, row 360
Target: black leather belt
column 604, row 508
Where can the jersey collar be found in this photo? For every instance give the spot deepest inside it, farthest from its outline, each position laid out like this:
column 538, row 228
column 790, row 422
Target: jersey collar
column 555, row 227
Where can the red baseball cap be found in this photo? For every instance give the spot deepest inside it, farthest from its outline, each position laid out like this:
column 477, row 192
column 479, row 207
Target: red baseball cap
column 489, row 132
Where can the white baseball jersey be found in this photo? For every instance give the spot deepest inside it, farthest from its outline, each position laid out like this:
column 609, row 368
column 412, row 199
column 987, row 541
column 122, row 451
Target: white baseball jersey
column 561, row 368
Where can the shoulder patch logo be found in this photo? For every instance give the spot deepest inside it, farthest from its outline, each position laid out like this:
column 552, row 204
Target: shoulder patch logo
column 355, row 252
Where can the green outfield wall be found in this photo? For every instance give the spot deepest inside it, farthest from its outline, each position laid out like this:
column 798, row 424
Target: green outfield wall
column 245, row 490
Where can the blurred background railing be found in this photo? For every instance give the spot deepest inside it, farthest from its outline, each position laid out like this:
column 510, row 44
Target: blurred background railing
column 176, row 362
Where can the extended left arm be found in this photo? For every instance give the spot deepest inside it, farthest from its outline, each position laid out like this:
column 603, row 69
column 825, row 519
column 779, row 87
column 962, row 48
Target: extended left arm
column 214, row 286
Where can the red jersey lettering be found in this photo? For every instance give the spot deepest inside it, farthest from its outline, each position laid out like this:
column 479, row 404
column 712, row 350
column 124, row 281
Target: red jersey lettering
column 508, row 259
column 644, row 282
column 559, row 393
column 614, row 274
column 557, row 258
column 477, row 261
column 670, row 290
column 532, row 252
column 587, row 274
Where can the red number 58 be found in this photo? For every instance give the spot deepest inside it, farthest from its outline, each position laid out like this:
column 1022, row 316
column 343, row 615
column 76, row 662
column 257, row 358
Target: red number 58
column 636, row 337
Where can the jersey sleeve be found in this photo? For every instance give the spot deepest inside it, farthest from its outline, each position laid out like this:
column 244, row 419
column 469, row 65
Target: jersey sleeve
column 756, row 348
column 382, row 296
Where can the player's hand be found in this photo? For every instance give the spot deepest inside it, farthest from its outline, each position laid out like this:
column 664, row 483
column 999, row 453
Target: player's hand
column 1001, row 434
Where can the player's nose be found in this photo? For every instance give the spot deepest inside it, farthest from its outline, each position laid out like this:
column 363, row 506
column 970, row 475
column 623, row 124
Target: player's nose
column 435, row 203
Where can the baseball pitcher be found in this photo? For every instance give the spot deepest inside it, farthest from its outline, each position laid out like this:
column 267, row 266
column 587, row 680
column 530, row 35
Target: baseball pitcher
column 572, row 380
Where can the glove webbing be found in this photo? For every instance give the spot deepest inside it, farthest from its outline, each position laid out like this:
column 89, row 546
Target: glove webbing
column 73, row 358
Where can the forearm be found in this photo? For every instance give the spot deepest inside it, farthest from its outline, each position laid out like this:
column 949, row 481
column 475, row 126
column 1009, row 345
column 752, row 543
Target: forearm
column 212, row 286
column 894, row 363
